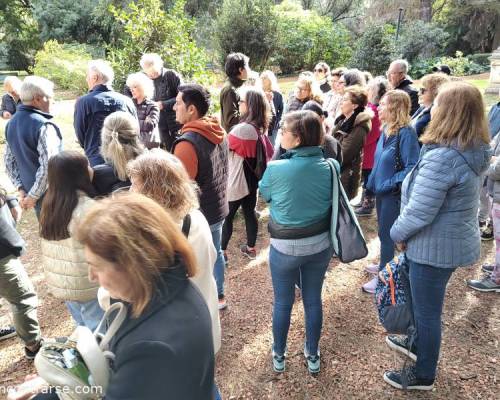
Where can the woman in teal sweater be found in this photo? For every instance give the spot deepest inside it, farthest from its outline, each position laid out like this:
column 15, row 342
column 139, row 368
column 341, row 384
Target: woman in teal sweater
column 298, row 188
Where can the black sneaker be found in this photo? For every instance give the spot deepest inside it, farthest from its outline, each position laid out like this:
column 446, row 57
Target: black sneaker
column 7, row 332
column 400, row 343
column 30, row 354
column 484, row 285
column 487, row 232
column 407, row 380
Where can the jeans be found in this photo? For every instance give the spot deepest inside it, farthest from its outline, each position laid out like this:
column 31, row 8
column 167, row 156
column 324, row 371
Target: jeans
column 428, row 287
column 365, row 174
column 495, row 215
column 217, row 395
column 87, row 313
column 484, row 203
column 17, row 289
column 248, row 204
column 387, row 213
column 285, row 271
column 220, row 264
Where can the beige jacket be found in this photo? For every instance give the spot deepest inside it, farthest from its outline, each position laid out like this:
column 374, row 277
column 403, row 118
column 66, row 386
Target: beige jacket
column 66, row 270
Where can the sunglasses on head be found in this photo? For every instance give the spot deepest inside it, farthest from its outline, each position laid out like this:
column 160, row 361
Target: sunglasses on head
column 423, row 90
column 318, row 70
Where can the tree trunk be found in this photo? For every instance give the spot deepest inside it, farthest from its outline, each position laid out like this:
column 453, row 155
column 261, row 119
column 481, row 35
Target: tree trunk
column 426, row 10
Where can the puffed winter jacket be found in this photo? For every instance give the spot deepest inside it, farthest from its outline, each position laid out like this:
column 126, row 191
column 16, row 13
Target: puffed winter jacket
column 439, row 206
column 66, row 270
column 493, row 171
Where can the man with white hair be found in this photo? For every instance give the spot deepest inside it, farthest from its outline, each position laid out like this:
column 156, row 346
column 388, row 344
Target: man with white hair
column 166, row 82
column 32, row 138
column 397, row 75
column 94, row 107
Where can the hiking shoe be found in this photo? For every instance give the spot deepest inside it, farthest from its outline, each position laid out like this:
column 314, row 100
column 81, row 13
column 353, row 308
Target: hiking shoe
column 222, row 304
column 371, row 285
column 366, row 209
column 400, row 344
column 278, row 362
column 313, row 362
column 250, row 253
column 30, row 354
column 487, row 232
column 484, row 285
column 488, row 268
column 406, row 379
column 7, row 332
column 372, row 268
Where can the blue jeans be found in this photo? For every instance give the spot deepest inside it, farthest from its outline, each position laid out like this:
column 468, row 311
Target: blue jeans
column 387, row 213
column 87, row 313
column 217, row 395
column 428, row 287
column 285, row 271
column 219, row 266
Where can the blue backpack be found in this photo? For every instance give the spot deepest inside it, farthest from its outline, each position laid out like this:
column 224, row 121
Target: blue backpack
column 393, row 298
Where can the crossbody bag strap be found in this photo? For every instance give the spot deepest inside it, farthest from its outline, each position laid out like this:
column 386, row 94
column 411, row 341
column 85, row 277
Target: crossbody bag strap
column 186, row 225
column 121, row 314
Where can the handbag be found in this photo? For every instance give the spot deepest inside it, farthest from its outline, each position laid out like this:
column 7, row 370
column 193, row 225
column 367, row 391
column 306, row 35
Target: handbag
column 393, row 297
column 347, row 237
column 237, row 186
column 80, row 366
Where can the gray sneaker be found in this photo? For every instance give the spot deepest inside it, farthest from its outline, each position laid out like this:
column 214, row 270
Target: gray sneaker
column 484, row 285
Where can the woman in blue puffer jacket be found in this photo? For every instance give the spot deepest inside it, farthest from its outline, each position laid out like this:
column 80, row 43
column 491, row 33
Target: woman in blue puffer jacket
column 438, row 222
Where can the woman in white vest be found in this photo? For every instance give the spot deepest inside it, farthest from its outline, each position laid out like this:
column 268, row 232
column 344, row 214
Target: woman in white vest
column 66, row 202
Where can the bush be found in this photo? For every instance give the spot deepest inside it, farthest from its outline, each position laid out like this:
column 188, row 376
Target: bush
column 63, row 64
column 374, row 49
column 249, row 27
column 148, row 28
column 304, row 38
column 459, row 65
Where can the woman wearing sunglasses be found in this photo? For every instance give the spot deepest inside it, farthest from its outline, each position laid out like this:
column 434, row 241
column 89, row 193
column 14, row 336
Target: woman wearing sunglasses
column 321, row 74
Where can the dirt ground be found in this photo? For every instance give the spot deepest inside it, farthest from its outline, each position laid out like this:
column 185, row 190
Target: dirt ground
column 354, row 354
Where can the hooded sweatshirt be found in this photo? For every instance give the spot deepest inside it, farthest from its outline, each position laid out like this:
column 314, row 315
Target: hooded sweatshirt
column 208, row 127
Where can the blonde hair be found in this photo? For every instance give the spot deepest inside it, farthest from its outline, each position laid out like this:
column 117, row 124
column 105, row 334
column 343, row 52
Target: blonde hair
column 315, row 92
column 141, row 80
column 433, row 82
column 120, row 141
column 12, row 84
column 460, row 120
column 398, row 108
column 269, row 75
column 139, row 238
column 164, row 179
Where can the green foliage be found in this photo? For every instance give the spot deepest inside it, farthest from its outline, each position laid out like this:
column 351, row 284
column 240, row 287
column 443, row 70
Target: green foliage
column 63, row 64
column 420, row 40
column 374, row 49
column 146, row 27
column 304, row 38
column 247, row 26
column 459, row 65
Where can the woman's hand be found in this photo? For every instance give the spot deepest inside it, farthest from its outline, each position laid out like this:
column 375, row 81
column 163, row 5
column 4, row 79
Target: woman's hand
column 32, row 385
column 401, row 246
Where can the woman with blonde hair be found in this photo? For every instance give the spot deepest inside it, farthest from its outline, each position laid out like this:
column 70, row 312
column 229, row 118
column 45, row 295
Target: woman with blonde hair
column 321, row 74
column 396, row 154
column 438, row 226
column 269, row 84
column 148, row 113
column 430, row 85
column 140, row 256
column 10, row 100
column 119, row 144
column 306, row 88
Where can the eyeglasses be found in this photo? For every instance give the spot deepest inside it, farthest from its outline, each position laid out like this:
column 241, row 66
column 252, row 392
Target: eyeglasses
column 341, row 82
column 423, row 90
column 319, row 70
column 393, row 73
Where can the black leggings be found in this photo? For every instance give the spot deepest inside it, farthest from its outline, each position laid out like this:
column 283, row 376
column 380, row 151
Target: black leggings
column 248, row 205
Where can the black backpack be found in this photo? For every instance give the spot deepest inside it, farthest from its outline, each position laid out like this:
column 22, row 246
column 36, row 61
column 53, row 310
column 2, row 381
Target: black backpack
column 260, row 158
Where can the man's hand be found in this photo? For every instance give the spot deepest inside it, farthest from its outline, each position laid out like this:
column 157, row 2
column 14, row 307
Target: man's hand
column 16, row 212
column 28, row 202
column 401, row 246
column 6, row 115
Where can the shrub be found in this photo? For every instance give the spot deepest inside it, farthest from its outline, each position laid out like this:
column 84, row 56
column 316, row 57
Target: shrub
column 249, row 27
column 304, row 38
column 461, row 65
column 148, row 28
column 63, row 64
column 374, row 49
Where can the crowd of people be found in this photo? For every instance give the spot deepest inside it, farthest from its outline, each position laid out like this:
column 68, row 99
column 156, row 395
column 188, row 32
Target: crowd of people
column 144, row 214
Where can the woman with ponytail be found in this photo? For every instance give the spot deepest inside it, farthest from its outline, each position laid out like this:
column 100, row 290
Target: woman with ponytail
column 120, row 144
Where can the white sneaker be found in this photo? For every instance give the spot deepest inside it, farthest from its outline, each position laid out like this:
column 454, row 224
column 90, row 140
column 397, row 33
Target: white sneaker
column 370, row 286
column 372, row 268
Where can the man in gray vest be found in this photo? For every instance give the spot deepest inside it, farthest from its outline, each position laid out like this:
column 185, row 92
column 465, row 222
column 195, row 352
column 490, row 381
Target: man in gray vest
column 202, row 148
column 32, row 138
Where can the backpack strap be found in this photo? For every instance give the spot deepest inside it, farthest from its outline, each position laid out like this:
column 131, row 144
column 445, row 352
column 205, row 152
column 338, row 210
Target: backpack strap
column 186, row 225
column 391, row 284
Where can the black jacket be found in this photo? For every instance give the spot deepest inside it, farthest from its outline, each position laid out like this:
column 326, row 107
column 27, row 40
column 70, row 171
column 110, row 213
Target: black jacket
column 105, row 180
column 167, row 352
column 405, row 86
column 8, row 104
column 11, row 243
column 148, row 114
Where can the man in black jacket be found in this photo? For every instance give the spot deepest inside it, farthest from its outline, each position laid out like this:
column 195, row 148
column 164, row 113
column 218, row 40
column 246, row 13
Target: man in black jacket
column 398, row 78
column 166, row 82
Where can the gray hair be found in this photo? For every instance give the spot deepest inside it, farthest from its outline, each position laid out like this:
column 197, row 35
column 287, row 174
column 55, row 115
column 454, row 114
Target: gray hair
column 141, row 80
column 377, row 87
column 34, row 86
column 354, row 77
column 12, row 84
column 103, row 70
column 402, row 64
column 151, row 60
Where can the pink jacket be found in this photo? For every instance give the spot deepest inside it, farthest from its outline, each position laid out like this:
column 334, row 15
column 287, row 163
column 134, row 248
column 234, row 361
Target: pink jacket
column 371, row 139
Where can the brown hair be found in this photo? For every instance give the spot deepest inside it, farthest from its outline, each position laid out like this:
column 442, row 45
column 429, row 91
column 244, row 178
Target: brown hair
column 433, row 82
column 338, row 71
column 67, row 174
column 398, row 108
column 460, row 120
column 258, row 111
column 307, row 126
column 358, row 95
column 165, row 180
column 139, row 237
